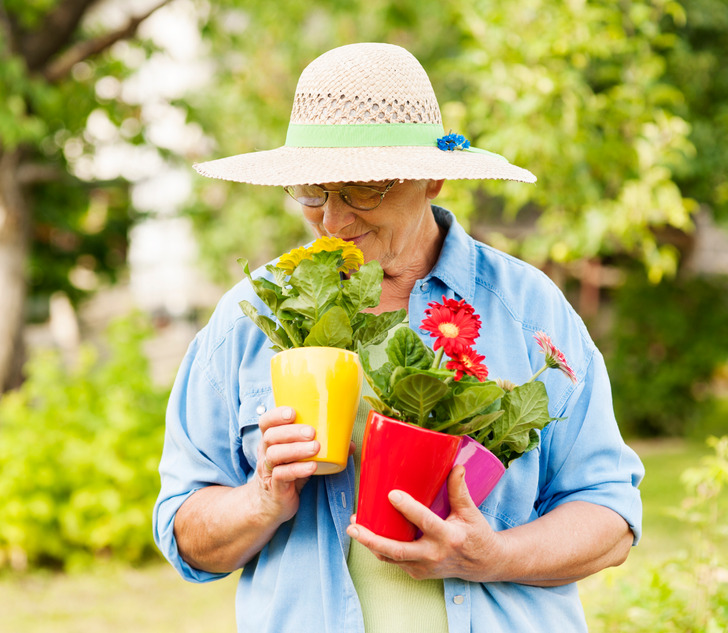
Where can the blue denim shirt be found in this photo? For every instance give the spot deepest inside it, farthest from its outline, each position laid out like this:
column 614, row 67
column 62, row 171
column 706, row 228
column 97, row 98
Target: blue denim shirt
column 300, row 580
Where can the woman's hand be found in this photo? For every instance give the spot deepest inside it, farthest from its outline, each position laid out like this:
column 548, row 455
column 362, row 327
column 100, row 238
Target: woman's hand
column 462, row 546
column 572, row 541
column 280, row 473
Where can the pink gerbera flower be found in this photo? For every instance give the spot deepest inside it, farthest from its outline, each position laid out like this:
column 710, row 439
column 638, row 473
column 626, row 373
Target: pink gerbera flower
column 555, row 359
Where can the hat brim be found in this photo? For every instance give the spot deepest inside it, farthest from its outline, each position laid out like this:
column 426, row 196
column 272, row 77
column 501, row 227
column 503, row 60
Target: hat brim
column 311, row 165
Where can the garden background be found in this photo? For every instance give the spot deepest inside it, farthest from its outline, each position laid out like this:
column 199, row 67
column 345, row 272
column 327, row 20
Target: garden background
column 113, row 253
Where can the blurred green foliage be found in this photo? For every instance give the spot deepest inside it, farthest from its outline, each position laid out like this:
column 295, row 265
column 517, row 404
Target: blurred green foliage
column 687, row 592
column 696, row 66
column 78, row 221
column 79, row 451
column 593, row 97
column 666, row 346
column 619, row 108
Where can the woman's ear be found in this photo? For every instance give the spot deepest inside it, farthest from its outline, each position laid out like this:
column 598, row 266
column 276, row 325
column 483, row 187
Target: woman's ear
column 433, row 188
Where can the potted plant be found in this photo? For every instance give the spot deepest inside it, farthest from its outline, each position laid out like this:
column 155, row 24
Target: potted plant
column 491, row 423
column 317, row 297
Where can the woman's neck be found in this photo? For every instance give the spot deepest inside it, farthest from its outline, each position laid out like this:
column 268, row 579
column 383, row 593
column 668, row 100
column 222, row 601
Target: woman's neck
column 397, row 285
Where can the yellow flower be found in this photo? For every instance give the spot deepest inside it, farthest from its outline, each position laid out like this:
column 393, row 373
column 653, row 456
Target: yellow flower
column 289, row 261
column 352, row 257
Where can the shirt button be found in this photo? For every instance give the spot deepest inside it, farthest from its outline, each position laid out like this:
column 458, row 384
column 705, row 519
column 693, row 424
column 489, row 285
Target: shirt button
column 260, row 410
column 425, row 287
column 458, row 599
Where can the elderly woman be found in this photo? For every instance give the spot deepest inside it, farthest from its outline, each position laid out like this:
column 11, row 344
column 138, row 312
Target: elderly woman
column 365, row 157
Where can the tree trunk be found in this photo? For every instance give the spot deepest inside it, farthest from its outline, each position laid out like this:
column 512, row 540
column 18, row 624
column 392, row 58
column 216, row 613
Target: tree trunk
column 14, row 248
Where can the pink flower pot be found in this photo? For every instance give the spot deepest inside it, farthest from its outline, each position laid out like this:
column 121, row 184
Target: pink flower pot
column 483, row 471
column 400, row 456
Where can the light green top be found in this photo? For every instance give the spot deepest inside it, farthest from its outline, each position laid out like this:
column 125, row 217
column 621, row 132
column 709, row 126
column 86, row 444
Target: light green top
column 391, row 600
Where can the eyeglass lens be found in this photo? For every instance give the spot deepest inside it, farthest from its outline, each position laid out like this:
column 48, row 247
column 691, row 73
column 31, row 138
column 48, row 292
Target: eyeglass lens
column 357, row 196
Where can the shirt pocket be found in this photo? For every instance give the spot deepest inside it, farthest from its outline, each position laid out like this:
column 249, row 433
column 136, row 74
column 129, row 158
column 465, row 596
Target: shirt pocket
column 254, row 402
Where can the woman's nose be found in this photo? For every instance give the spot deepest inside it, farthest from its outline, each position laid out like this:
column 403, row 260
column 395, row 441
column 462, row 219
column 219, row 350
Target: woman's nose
column 337, row 214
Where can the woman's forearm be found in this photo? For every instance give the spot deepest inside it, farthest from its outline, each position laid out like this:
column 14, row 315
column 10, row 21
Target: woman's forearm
column 219, row 529
column 573, row 541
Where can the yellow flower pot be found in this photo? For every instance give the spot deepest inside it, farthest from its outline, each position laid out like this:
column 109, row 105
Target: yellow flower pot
column 323, row 385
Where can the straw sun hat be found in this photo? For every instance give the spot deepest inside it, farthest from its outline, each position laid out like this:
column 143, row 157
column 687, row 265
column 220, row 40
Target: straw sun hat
column 364, row 112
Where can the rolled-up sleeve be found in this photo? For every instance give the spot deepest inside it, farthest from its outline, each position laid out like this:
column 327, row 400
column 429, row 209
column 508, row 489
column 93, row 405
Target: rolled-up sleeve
column 584, row 457
column 198, row 451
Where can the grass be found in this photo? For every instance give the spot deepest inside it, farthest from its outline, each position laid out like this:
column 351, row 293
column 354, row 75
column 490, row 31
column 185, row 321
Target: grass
column 116, row 599
column 154, row 599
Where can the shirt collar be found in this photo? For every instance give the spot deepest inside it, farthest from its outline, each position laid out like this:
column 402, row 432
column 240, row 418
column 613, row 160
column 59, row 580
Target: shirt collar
column 456, row 265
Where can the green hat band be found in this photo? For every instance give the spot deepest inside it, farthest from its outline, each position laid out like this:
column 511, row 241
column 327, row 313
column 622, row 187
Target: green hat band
column 363, row 135
column 370, row 135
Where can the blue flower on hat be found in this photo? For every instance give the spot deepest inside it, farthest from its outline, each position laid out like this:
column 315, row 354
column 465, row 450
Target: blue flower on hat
column 451, row 142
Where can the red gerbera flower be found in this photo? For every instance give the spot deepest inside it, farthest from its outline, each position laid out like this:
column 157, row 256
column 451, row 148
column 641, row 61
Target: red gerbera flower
column 455, row 329
column 468, row 362
column 455, row 306
column 555, row 358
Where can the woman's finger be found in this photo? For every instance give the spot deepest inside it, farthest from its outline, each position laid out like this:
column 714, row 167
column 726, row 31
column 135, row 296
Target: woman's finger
column 424, row 518
column 280, row 454
column 288, row 434
column 283, row 442
column 382, row 547
column 276, row 417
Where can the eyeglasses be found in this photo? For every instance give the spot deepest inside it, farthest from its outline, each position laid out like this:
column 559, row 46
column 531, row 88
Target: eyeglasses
column 359, row 197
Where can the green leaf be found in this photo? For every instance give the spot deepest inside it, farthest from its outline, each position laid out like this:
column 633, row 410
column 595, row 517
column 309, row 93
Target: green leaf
column 246, row 268
column 316, row 285
column 417, row 394
column 479, row 424
column 363, row 289
column 519, row 441
column 507, row 453
column 267, row 292
column 483, row 431
column 525, row 408
column 332, row 330
column 277, row 335
column 472, row 400
column 371, row 329
column 328, row 259
column 407, row 350
column 382, row 408
column 378, row 379
column 279, row 276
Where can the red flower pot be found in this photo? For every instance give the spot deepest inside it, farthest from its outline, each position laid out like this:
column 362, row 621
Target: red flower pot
column 483, row 471
column 400, row 456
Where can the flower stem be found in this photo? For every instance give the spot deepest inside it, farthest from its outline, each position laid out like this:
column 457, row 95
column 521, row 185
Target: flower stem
column 538, row 373
column 438, row 358
column 291, row 334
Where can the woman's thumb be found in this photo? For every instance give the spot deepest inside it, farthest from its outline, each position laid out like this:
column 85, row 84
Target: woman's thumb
column 457, row 490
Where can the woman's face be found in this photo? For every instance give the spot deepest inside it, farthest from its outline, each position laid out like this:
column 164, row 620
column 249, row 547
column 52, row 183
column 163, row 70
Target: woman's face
column 394, row 233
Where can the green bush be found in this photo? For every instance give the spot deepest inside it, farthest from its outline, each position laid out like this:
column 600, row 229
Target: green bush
column 666, row 345
column 79, row 450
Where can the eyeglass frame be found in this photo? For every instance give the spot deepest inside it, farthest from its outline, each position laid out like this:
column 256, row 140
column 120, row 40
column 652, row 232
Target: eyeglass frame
column 391, row 184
